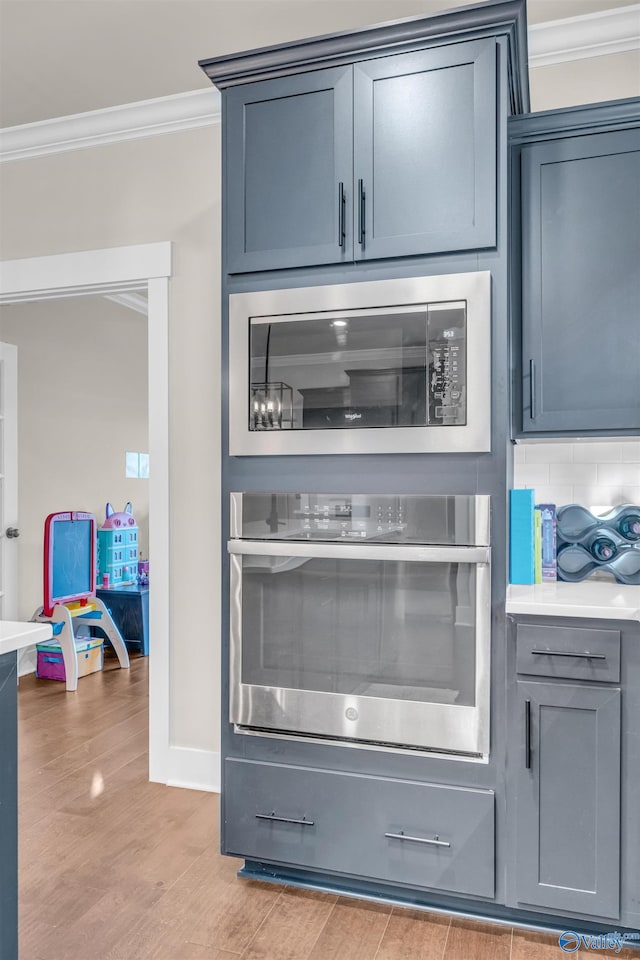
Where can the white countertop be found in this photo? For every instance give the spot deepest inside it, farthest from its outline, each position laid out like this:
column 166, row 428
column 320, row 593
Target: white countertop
column 591, row 598
column 15, row 636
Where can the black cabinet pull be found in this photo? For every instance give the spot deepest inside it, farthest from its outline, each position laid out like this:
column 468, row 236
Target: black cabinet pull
column 568, row 653
column 361, row 212
column 341, row 210
column 532, row 389
column 527, row 734
column 271, row 816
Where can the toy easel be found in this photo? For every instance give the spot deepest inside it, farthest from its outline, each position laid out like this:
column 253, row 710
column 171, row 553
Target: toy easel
column 69, row 587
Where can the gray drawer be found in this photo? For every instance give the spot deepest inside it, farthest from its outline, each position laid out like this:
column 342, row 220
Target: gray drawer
column 574, row 653
column 443, row 836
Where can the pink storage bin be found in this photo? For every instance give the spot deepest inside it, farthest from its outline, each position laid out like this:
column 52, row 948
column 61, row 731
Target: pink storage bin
column 50, row 662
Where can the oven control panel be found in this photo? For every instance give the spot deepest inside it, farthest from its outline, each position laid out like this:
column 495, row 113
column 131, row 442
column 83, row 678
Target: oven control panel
column 387, row 518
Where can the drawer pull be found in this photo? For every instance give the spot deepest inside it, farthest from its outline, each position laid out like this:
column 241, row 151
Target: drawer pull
column 563, row 653
column 272, row 816
column 435, row 842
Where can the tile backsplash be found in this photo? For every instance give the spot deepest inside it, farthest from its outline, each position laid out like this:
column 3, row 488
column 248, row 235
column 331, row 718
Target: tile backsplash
column 595, row 474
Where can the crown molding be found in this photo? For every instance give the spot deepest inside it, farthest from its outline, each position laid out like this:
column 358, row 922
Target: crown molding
column 558, row 41
column 131, row 299
column 591, row 35
column 131, row 121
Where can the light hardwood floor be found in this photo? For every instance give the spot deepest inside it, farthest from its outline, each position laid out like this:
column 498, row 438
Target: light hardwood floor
column 115, row 868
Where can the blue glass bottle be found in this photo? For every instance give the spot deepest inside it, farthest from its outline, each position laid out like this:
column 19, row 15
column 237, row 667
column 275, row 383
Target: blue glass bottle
column 601, row 546
column 628, row 524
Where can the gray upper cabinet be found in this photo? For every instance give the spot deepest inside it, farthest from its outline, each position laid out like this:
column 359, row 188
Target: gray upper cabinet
column 389, row 157
column 289, row 169
column 580, row 229
column 425, row 151
column 567, row 784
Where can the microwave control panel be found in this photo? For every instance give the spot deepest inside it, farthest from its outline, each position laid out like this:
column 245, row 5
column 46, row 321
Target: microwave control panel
column 446, row 374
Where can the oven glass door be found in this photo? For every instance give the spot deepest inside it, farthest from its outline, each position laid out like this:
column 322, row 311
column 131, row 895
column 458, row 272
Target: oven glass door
column 383, row 644
column 397, row 367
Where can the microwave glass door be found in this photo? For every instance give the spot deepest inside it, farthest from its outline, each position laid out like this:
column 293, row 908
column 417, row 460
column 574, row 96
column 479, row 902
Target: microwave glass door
column 396, row 367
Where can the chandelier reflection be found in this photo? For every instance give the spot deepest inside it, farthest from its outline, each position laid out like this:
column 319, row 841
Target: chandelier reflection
column 271, row 406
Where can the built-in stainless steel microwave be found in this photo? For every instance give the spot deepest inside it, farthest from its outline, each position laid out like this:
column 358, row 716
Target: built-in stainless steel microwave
column 387, row 366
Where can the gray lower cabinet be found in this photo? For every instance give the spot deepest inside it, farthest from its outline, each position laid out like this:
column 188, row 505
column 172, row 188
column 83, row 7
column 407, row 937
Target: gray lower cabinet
column 401, row 831
column 580, row 294
column 566, row 754
column 8, row 809
column 387, row 157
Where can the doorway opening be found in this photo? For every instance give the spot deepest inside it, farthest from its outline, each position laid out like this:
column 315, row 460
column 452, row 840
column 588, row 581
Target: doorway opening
column 121, row 272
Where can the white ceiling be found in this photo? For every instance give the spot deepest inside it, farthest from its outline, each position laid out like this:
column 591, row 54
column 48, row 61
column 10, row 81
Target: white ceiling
column 60, row 57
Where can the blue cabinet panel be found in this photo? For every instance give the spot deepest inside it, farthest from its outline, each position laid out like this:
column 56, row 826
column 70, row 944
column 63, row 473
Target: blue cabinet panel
column 425, row 151
column 581, row 283
column 423, row 834
column 290, row 163
column 568, row 798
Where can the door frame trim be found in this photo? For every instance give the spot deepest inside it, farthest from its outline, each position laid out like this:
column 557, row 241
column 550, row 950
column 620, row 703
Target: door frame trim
column 146, row 268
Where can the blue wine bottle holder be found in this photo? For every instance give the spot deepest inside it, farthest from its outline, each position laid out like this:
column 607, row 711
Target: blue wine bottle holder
column 608, row 544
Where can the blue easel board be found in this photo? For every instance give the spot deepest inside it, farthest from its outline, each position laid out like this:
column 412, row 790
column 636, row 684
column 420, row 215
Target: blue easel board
column 72, row 551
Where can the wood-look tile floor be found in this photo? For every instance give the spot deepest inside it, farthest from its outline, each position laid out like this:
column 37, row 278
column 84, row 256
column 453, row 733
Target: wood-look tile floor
column 113, row 867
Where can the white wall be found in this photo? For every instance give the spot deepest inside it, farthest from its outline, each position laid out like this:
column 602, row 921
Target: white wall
column 82, row 402
column 592, row 80
column 168, row 188
column 602, row 473
column 164, row 188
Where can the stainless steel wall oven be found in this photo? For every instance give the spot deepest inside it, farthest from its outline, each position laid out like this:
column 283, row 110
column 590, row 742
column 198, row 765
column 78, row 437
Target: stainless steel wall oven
column 362, row 618
column 387, row 366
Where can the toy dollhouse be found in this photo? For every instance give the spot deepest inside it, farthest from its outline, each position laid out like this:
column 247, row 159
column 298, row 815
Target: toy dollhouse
column 118, row 548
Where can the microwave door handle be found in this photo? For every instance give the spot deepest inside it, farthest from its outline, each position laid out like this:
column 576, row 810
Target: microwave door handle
column 360, row 551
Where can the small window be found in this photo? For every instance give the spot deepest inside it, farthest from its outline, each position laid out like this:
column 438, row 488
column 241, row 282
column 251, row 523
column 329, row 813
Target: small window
column 136, row 465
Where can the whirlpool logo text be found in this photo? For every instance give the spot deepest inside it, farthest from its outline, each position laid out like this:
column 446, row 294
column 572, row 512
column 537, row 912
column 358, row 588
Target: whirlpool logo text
column 570, row 941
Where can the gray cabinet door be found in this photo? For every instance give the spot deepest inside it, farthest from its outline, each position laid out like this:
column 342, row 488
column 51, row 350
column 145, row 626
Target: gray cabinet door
column 8, row 809
column 581, row 283
column 425, row 151
column 568, row 798
column 289, row 169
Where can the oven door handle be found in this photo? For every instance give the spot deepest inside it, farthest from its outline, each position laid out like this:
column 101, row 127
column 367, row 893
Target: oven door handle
column 360, row 551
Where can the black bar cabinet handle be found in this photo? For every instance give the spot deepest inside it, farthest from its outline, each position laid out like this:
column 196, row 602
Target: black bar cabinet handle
column 361, row 212
column 568, row 653
column 532, row 389
column 341, row 220
column 271, row 816
column 527, row 734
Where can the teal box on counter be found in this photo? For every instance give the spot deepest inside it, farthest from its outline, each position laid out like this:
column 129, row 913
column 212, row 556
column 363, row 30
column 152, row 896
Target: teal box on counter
column 521, row 536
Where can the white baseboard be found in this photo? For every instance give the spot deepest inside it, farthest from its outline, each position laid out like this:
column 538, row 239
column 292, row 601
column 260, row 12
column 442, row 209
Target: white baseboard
column 194, row 769
column 27, row 659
